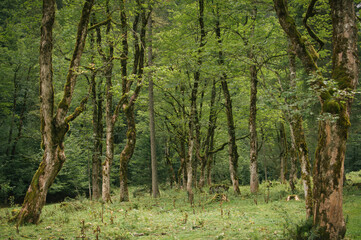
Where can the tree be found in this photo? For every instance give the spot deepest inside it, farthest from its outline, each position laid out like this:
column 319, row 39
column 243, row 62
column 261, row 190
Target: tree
column 155, row 189
column 232, row 147
column 335, row 103
column 127, row 102
column 53, row 127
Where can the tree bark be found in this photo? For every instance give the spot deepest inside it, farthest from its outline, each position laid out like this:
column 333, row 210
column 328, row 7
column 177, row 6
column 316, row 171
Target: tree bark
column 53, row 128
column 283, row 152
column 97, row 100
column 253, row 132
column 332, row 134
column 155, row 189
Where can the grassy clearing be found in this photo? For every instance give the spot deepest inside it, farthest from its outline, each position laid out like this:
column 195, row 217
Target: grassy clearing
column 171, row 217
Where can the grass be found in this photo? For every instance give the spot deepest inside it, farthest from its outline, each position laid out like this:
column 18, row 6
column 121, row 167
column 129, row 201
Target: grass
column 171, row 217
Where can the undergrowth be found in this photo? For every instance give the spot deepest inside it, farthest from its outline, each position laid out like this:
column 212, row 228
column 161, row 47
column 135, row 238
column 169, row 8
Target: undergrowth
column 266, row 215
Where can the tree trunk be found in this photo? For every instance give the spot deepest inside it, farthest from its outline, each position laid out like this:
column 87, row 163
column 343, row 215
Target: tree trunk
column 332, row 135
column 97, row 100
column 283, row 154
column 299, row 140
column 253, row 131
column 15, row 97
column 127, row 153
column 109, row 153
column 232, row 147
column 21, row 117
column 172, row 177
column 209, row 142
column 189, row 164
column 155, row 189
column 128, row 103
column 53, row 128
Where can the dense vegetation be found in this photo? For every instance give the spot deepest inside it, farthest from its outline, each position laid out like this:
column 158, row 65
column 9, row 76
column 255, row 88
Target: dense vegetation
column 228, row 94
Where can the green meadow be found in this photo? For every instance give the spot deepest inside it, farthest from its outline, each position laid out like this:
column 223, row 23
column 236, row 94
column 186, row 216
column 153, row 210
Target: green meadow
column 267, row 215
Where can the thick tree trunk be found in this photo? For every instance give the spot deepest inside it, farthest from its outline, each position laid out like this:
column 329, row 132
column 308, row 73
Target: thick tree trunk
column 332, row 134
column 35, row 198
column 253, row 132
column 127, row 153
column 331, row 148
column 53, row 128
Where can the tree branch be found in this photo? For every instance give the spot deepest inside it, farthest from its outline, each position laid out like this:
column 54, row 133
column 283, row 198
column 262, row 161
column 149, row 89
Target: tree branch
column 311, row 13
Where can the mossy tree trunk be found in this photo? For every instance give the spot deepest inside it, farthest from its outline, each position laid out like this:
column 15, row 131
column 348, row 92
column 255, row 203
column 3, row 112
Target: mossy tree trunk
column 332, row 135
column 53, row 127
column 127, row 102
column 335, row 105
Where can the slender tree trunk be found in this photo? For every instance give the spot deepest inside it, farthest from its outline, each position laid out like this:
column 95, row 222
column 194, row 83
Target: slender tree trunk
column 209, row 169
column 283, row 154
column 97, row 100
column 109, row 153
column 293, row 149
column 253, row 131
column 232, row 147
column 293, row 170
column 15, row 98
column 21, row 117
column 128, row 103
column 298, row 140
column 253, row 113
column 208, row 144
column 53, row 128
column 155, row 189
column 172, row 177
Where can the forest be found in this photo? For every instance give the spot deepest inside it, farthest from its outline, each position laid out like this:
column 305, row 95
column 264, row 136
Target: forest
column 111, row 118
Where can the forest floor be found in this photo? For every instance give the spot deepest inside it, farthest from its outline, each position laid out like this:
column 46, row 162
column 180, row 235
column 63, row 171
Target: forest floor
column 172, row 217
